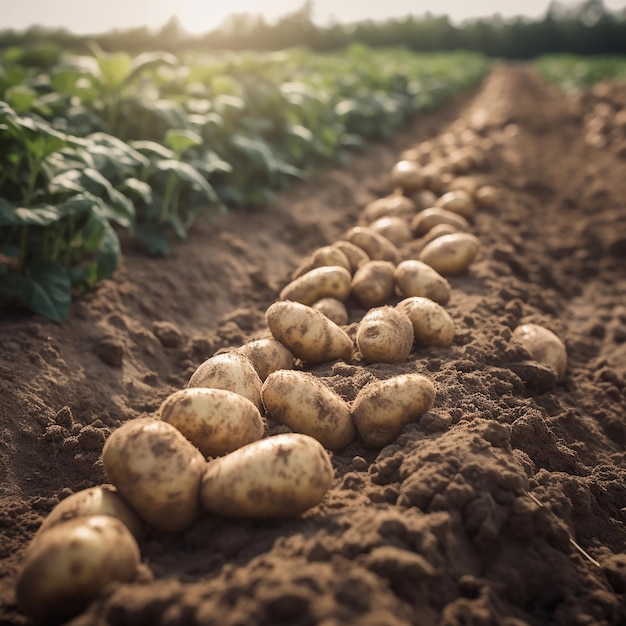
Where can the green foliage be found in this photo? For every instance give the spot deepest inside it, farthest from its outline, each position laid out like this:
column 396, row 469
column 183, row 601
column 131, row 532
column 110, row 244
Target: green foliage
column 574, row 73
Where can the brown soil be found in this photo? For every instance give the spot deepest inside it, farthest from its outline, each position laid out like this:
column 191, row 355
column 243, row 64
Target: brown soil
column 474, row 514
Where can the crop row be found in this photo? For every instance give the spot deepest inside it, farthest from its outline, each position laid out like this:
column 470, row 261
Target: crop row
column 104, row 141
column 573, row 73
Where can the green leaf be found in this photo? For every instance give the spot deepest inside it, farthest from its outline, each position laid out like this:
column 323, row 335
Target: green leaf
column 152, row 149
column 115, row 69
column 154, row 241
column 109, row 253
column 11, row 214
column 21, row 97
column 189, row 174
column 181, row 139
column 138, row 188
column 46, row 289
column 117, row 151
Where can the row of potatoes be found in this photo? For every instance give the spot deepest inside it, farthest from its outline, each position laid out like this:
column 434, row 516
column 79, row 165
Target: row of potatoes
column 207, row 450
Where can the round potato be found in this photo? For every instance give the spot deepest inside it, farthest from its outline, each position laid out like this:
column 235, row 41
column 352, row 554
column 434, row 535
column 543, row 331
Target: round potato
column 377, row 247
column 432, row 324
column 231, row 371
column 385, row 335
column 425, row 220
column 407, row 175
column 451, row 254
column 277, row 477
column 423, row 199
column 373, row 284
column 304, row 403
column 326, row 255
column 487, row 196
column 216, row 421
column 267, row 356
column 437, row 231
column 157, row 470
column 383, row 408
column 458, row 201
column 329, row 281
column 394, row 205
column 355, row 255
column 70, row 564
column 415, row 278
column 396, row 229
column 102, row 500
column 307, row 333
column 543, row 346
column 333, row 309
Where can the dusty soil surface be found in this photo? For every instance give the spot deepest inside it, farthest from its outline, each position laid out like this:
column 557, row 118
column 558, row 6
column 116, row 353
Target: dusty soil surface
column 503, row 505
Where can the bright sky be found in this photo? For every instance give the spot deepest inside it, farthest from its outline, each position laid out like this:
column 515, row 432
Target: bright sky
column 199, row 16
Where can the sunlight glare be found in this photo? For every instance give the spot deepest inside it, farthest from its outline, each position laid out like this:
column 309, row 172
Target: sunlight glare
column 198, row 16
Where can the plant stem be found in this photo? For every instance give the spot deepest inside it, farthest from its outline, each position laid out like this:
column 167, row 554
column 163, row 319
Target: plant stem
column 170, row 188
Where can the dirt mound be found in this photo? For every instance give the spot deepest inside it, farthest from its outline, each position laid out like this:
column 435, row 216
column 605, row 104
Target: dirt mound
column 504, row 505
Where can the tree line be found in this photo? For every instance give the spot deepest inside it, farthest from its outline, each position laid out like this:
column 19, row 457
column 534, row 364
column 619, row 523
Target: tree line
column 586, row 29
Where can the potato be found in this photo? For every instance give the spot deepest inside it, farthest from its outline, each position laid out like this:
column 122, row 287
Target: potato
column 231, row 371
column 466, row 183
column 414, row 278
column 216, row 421
column 394, row 205
column 357, row 256
column 543, row 346
column 157, row 470
column 423, row 199
column 396, row 229
column 450, row 254
column 304, row 403
column 487, row 196
column 459, row 201
column 385, row 335
column 377, row 247
column 461, row 161
column 333, row 309
column 437, row 231
column 406, row 174
column 267, row 356
column 307, row 333
column 322, row 282
column 69, row 565
column 277, row 477
column 427, row 219
column 381, row 409
column 432, row 324
column 103, row 500
column 373, row 284
column 326, row 255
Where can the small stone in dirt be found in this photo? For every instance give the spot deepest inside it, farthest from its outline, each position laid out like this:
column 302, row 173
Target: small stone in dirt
column 111, row 351
column 168, row 334
column 537, row 377
column 359, row 464
column 91, row 438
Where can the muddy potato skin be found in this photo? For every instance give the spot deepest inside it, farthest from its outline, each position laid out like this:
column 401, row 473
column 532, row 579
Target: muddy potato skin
column 157, row 470
column 68, row 566
column 305, row 404
column 267, row 355
column 326, row 255
column 433, row 216
column 329, row 281
column 102, row 500
column 432, row 324
column 458, row 201
column 231, row 371
column 394, row 205
column 308, row 334
column 396, row 229
column 450, row 254
column 383, row 408
column 377, row 247
column 415, row 278
column 385, row 335
column 373, row 284
column 543, row 346
column 216, row 421
column 333, row 309
column 277, row 477
column 355, row 255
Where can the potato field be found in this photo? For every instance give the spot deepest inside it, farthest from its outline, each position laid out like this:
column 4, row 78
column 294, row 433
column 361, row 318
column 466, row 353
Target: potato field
column 295, row 339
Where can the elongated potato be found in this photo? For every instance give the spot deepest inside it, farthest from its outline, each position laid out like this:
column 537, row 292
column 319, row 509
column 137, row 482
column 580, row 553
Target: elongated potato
column 408, row 176
column 451, row 254
column 373, row 284
column 277, row 477
column 437, row 231
column 377, row 247
column 307, row 333
column 394, row 205
column 383, row 408
column 329, row 281
column 305, row 404
column 396, row 229
column 432, row 324
column 102, row 500
column 231, row 371
column 69, row 565
column 267, row 356
column 543, row 346
column 385, row 335
column 216, row 421
column 355, row 255
column 425, row 220
column 322, row 257
column 333, row 309
column 458, row 201
column 157, row 470
column 414, row 278
column 487, row 196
